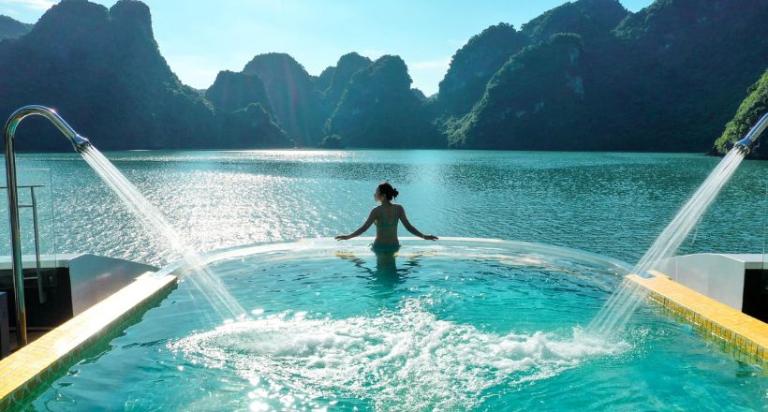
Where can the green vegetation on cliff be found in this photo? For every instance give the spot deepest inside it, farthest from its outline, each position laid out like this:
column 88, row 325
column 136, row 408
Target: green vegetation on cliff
column 474, row 64
column 357, row 103
column 348, row 65
column 754, row 106
column 484, row 54
column 680, row 71
column 666, row 79
column 587, row 75
column 102, row 68
column 590, row 19
column 538, row 92
column 379, row 109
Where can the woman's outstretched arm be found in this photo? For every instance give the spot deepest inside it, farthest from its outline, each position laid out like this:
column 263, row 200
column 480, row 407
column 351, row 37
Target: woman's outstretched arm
column 361, row 229
column 411, row 228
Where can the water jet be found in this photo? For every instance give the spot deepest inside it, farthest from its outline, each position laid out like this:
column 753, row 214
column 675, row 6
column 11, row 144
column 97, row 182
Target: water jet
column 617, row 311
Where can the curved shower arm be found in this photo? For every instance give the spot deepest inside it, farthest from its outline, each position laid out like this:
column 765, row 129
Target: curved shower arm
column 80, row 143
column 745, row 144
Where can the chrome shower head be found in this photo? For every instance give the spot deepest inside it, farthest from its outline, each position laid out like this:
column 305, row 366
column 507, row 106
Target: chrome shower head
column 745, row 144
column 80, row 142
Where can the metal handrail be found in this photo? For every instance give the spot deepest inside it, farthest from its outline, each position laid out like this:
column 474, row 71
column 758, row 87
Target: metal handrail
column 79, row 143
column 36, row 232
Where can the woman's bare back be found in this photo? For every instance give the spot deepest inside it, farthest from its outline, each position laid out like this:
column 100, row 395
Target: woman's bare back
column 386, row 217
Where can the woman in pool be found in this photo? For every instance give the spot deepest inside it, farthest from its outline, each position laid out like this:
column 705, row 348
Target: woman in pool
column 386, row 217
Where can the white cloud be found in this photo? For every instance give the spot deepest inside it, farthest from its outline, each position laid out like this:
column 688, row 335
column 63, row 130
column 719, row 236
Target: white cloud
column 41, row 5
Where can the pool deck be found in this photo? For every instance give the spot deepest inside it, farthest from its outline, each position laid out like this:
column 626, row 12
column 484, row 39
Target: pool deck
column 22, row 370
column 742, row 334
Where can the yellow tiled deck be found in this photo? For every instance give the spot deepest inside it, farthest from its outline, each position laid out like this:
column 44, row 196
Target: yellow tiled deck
column 22, row 369
column 746, row 335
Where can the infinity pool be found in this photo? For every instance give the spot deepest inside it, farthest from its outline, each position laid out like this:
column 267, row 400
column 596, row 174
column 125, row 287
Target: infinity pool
column 454, row 325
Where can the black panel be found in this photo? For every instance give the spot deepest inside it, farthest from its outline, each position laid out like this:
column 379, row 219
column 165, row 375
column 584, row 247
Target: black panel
column 756, row 294
column 57, row 308
column 5, row 336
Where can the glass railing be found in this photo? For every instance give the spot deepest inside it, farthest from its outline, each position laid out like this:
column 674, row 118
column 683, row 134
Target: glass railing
column 38, row 229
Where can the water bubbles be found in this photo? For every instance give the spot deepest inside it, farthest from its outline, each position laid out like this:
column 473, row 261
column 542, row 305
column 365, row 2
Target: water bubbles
column 405, row 356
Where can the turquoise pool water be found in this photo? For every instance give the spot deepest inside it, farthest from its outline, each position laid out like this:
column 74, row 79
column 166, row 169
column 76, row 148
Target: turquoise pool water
column 460, row 325
column 498, row 334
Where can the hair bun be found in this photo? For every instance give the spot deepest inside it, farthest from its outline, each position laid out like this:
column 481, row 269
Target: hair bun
column 387, row 190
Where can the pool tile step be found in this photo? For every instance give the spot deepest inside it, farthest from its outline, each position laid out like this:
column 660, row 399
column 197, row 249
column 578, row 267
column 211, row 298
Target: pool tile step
column 22, row 370
column 744, row 334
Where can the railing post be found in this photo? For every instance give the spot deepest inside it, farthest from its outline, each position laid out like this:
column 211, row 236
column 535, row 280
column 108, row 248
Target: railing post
column 36, row 229
column 13, row 213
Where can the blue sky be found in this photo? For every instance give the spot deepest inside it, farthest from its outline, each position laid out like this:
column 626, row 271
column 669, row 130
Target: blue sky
column 201, row 37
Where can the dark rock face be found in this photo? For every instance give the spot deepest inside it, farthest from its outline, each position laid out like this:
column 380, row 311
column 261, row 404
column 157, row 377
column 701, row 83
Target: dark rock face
column 357, row 103
column 103, row 69
column 294, row 100
column 587, row 75
column 233, row 91
column 690, row 62
column 324, row 79
column 474, row 64
column 12, row 29
column 665, row 79
column 348, row 65
column 239, row 125
column 540, row 91
column 379, row 109
column 590, row 19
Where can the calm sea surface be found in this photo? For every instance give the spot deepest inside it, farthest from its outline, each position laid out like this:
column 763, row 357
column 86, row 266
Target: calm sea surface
column 607, row 203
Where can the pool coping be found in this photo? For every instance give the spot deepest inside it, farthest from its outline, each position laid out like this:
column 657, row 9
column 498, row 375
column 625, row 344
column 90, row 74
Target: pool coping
column 742, row 335
column 23, row 370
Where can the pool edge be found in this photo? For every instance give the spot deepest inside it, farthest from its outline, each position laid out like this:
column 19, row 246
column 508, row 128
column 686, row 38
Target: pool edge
column 22, row 371
column 742, row 335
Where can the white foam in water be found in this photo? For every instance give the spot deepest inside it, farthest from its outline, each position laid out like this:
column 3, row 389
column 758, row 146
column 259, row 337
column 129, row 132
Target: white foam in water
column 621, row 305
column 154, row 221
column 398, row 359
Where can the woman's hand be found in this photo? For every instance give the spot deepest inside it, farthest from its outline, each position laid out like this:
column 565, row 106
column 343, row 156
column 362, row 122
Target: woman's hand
column 343, row 237
column 430, row 237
